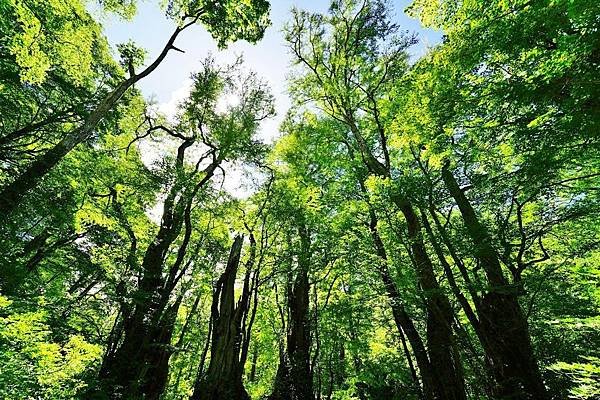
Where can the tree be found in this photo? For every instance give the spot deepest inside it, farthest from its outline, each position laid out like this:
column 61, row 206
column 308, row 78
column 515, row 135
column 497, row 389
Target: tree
column 148, row 327
column 505, row 120
column 224, row 376
column 348, row 73
column 421, row 229
column 225, row 20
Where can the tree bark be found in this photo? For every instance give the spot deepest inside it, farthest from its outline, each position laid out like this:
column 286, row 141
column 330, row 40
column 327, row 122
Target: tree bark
column 223, row 379
column 294, row 376
column 138, row 367
column 440, row 339
column 449, row 380
column 404, row 323
column 439, row 365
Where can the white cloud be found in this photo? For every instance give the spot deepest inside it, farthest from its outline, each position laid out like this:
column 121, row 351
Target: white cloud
column 169, row 109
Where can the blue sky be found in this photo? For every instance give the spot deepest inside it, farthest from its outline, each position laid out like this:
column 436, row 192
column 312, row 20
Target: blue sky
column 269, row 58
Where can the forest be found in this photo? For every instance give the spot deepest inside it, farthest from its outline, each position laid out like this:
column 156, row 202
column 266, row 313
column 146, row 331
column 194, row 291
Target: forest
column 421, row 228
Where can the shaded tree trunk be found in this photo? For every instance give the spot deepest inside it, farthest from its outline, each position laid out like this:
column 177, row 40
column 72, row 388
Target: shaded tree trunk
column 486, row 376
column 252, row 377
column 294, row 376
column 138, row 367
column 440, row 368
column 404, row 323
column 411, row 366
column 223, row 379
column 440, row 341
column 448, row 380
column 504, row 329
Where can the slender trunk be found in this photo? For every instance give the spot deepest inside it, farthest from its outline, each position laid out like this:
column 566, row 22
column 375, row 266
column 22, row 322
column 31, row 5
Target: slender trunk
column 252, row 377
column 463, row 301
column 250, row 295
column 448, row 378
column 411, row 366
column 331, row 378
column 12, row 194
column 440, row 341
column 503, row 325
column 440, row 368
column 404, row 323
column 340, row 376
column 356, row 361
column 471, row 314
column 202, row 363
column 180, row 345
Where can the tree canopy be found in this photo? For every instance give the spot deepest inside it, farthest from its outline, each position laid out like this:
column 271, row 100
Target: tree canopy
column 420, row 229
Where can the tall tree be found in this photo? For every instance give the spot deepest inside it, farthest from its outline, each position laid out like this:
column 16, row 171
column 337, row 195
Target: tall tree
column 294, row 378
column 147, row 331
column 223, row 379
column 349, row 72
column 489, row 99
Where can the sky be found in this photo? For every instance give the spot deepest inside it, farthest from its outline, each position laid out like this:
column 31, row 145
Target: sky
column 269, row 58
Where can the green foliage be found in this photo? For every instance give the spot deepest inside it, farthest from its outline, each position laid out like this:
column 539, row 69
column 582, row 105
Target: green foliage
column 53, row 34
column 227, row 20
column 585, row 376
column 507, row 104
column 131, row 55
column 35, row 365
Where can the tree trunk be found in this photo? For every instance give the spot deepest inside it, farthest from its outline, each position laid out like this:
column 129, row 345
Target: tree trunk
column 448, row 377
column 252, row 377
column 503, row 325
column 404, row 323
column 440, row 341
column 471, row 315
column 294, row 376
column 138, row 368
column 411, row 366
column 223, row 379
